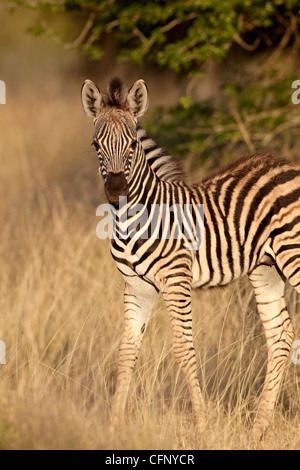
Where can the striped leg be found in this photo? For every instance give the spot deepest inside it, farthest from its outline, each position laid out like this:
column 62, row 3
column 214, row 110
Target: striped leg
column 177, row 296
column 286, row 249
column 139, row 299
column 269, row 293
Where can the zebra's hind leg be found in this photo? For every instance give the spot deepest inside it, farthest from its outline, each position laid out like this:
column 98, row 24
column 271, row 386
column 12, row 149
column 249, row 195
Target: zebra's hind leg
column 139, row 299
column 269, row 293
column 177, row 296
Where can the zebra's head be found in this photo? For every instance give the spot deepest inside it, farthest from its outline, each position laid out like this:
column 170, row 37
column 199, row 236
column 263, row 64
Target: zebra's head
column 115, row 116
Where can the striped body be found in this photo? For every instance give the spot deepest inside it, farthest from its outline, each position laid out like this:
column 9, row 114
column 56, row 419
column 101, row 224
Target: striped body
column 251, row 226
column 246, row 205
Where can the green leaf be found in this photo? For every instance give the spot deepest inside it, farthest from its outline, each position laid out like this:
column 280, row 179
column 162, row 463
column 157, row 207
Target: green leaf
column 36, row 30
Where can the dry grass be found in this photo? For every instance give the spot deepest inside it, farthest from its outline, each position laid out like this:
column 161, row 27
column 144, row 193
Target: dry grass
column 61, row 314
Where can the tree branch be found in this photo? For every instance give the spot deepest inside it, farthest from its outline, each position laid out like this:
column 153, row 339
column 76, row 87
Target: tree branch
column 165, row 29
column 242, row 129
column 249, row 47
column 80, row 38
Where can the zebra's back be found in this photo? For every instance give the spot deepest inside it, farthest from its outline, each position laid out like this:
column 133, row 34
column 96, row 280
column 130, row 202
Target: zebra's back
column 246, row 204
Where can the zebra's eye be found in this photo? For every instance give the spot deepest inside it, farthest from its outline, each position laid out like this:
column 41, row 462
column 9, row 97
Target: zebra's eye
column 96, row 145
column 133, row 145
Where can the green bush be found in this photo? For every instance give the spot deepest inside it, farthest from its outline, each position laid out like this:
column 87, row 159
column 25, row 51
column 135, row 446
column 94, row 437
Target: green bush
column 247, row 119
column 178, row 34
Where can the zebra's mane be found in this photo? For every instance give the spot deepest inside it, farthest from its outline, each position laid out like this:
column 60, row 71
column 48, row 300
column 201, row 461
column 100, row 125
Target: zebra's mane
column 116, row 94
column 165, row 166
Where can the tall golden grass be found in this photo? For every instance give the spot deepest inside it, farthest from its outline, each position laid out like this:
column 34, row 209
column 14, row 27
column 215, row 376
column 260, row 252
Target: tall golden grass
column 61, row 314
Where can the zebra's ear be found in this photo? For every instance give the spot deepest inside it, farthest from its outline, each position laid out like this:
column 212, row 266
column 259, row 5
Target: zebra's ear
column 90, row 98
column 138, row 98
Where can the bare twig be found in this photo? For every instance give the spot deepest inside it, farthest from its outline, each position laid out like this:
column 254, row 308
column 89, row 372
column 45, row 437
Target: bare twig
column 244, row 44
column 190, row 86
column 281, row 19
column 166, row 28
column 282, row 127
column 80, row 38
column 176, row 22
column 111, row 25
column 221, row 128
column 265, row 114
column 208, row 130
column 242, row 129
column 140, row 35
column 281, row 46
column 243, row 22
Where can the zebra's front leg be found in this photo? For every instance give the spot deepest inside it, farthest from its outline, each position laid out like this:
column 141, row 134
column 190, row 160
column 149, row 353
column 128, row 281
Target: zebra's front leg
column 177, row 296
column 269, row 293
column 139, row 298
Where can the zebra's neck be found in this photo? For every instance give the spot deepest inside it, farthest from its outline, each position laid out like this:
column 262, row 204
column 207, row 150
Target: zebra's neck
column 151, row 170
column 162, row 164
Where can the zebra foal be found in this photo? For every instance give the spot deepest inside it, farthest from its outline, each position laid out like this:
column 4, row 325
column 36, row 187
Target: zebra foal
column 251, row 226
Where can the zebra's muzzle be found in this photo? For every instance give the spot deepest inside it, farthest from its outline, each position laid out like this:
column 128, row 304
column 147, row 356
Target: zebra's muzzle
column 115, row 186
